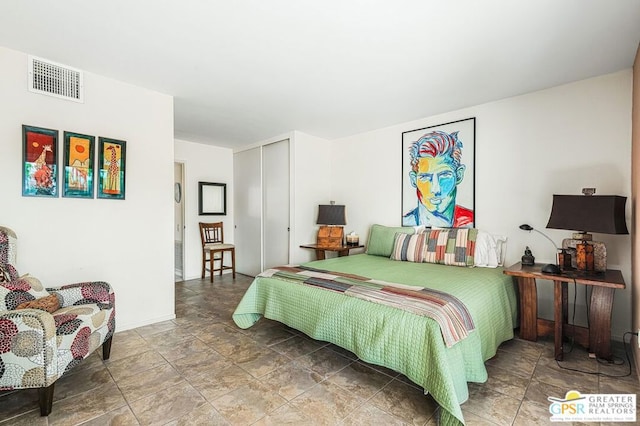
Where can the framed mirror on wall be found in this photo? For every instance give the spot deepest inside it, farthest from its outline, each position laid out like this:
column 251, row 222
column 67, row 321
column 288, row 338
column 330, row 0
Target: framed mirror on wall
column 212, row 198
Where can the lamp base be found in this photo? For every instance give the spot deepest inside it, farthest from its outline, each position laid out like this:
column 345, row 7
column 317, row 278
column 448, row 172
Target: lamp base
column 582, row 263
column 330, row 237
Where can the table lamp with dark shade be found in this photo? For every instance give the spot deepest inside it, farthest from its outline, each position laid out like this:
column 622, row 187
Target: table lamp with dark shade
column 333, row 219
column 588, row 213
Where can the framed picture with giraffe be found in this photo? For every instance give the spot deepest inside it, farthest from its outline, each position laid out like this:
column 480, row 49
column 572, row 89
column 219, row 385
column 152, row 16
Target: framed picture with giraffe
column 39, row 162
column 77, row 165
column 112, row 155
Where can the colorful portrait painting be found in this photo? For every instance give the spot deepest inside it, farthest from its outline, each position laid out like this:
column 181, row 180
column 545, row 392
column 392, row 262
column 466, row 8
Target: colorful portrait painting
column 111, row 168
column 78, row 165
column 438, row 175
column 39, row 162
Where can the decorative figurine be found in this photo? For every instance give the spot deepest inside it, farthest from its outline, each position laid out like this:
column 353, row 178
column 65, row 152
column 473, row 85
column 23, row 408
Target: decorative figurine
column 527, row 258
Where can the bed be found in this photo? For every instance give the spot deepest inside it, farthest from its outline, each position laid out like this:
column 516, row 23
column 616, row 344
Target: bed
column 404, row 341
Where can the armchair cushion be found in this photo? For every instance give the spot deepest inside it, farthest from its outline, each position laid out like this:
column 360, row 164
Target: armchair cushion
column 48, row 303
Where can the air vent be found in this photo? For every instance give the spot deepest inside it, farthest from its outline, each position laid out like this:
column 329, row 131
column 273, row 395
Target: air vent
column 50, row 78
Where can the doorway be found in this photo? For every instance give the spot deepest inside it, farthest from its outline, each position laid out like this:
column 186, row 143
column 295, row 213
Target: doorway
column 178, row 225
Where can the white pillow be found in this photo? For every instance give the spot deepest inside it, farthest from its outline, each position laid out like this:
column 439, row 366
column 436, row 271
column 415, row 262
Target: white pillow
column 489, row 250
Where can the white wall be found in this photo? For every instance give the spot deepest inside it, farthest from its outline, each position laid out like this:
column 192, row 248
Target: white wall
column 312, row 186
column 203, row 163
column 528, row 148
column 127, row 243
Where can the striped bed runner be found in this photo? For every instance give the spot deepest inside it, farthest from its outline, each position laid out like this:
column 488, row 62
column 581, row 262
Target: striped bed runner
column 448, row 311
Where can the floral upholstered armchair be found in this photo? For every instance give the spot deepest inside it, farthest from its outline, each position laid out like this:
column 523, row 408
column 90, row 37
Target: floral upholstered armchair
column 45, row 332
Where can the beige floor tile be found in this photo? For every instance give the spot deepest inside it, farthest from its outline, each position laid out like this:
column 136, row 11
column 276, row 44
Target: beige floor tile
column 203, row 415
column 565, row 379
column 297, row 346
column 248, row 403
column 406, row 402
column 219, row 382
column 126, row 344
column 368, row 415
column 121, row 417
column 532, row 413
column 86, row 406
column 327, row 403
column 190, row 348
column 166, row 405
column 491, row 405
column 284, row 415
column 30, row 418
column 148, row 382
column 506, row 382
column 522, row 365
column 262, row 362
column 158, row 327
column 126, row 367
column 199, row 363
column 291, row 380
column 80, row 382
column 324, row 361
column 360, row 379
column 520, row 347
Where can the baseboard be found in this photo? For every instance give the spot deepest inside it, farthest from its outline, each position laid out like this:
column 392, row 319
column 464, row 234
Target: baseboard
column 130, row 326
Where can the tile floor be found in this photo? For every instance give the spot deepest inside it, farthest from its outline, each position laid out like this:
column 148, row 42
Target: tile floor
column 201, row 369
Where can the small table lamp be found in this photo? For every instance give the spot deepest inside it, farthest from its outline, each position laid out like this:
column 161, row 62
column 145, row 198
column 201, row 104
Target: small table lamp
column 333, row 219
column 588, row 213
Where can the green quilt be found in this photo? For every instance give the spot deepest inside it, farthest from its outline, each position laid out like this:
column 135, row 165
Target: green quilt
column 397, row 339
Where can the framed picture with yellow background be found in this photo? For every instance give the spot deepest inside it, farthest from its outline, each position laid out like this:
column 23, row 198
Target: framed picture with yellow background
column 112, row 154
column 78, row 165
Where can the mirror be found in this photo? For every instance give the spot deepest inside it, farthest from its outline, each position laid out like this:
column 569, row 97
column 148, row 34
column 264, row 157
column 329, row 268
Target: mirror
column 212, row 198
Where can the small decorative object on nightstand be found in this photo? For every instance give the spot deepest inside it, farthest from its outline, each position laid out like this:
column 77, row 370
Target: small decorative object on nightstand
column 353, row 239
column 527, row 258
column 550, row 268
column 333, row 219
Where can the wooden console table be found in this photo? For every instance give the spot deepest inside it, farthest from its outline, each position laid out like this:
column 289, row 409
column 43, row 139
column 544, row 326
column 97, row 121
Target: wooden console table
column 597, row 337
column 320, row 251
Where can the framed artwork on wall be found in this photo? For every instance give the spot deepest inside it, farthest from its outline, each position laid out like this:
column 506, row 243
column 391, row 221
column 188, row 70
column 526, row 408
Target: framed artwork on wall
column 39, row 162
column 112, row 155
column 212, row 198
column 77, row 165
column 438, row 175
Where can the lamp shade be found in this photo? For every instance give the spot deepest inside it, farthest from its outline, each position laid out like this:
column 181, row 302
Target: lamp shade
column 331, row 215
column 589, row 213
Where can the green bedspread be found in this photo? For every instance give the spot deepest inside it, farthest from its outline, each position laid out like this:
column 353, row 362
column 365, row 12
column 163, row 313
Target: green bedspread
column 397, row 339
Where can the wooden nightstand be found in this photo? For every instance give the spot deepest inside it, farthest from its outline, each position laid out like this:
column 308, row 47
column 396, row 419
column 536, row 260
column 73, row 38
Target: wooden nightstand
column 321, row 251
column 597, row 337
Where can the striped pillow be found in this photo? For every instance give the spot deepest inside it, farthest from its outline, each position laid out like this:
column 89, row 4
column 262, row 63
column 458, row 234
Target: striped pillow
column 453, row 246
column 409, row 247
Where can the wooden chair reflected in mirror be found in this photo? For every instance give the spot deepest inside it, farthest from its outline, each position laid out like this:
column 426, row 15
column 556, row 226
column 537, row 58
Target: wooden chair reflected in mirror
column 214, row 248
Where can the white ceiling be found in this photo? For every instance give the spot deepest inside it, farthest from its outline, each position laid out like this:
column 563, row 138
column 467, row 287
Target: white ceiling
column 242, row 71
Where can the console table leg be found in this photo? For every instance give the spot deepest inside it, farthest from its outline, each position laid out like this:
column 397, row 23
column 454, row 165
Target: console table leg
column 600, row 321
column 528, row 308
column 559, row 299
